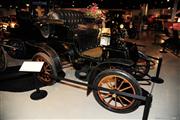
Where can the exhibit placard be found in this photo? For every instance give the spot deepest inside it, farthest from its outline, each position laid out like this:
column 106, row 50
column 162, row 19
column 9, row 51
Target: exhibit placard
column 31, row 66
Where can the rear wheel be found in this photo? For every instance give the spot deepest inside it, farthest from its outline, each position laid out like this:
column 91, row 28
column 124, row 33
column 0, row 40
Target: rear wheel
column 48, row 72
column 119, row 81
column 3, row 59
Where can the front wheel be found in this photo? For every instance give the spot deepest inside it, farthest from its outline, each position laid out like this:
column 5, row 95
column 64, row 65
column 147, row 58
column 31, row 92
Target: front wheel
column 3, row 60
column 119, row 81
column 48, row 72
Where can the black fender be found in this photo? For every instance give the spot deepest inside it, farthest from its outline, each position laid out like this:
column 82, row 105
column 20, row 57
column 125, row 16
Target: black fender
column 3, row 59
column 45, row 48
column 16, row 48
column 117, row 62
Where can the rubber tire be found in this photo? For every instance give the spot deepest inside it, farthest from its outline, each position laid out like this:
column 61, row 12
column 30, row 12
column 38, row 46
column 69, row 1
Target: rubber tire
column 3, row 58
column 49, row 61
column 128, row 77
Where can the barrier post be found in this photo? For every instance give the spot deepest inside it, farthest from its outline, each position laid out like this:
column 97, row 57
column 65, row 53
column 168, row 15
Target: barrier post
column 156, row 79
column 147, row 107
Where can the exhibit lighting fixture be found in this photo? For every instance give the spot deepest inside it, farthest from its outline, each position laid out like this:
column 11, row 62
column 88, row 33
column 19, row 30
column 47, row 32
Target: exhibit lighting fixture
column 4, row 26
column 162, row 41
column 121, row 26
column 12, row 24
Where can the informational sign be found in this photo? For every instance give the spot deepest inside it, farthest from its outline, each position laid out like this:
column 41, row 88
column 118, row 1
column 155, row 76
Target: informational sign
column 31, row 66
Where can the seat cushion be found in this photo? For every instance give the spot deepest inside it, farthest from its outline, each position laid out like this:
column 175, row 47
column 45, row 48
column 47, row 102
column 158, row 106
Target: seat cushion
column 94, row 52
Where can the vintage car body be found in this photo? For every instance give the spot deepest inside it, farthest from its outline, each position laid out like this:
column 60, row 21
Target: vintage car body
column 3, row 59
column 68, row 36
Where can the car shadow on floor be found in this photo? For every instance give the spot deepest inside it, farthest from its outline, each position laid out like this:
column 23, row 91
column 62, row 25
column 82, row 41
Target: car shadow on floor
column 14, row 81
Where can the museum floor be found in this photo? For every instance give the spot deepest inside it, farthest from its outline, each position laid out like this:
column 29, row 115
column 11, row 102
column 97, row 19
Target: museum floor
column 66, row 101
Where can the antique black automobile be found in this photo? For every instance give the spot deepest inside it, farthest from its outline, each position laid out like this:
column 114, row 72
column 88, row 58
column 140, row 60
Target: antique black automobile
column 3, row 59
column 61, row 36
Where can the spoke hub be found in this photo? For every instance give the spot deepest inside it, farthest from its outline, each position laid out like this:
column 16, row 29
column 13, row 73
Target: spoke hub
column 114, row 95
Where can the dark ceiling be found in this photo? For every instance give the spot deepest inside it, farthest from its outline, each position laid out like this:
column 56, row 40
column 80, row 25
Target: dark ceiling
column 105, row 4
column 120, row 4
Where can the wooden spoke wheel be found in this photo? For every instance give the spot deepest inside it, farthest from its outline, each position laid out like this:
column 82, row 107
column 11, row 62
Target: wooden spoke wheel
column 119, row 81
column 3, row 60
column 48, row 72
column 142, row 66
